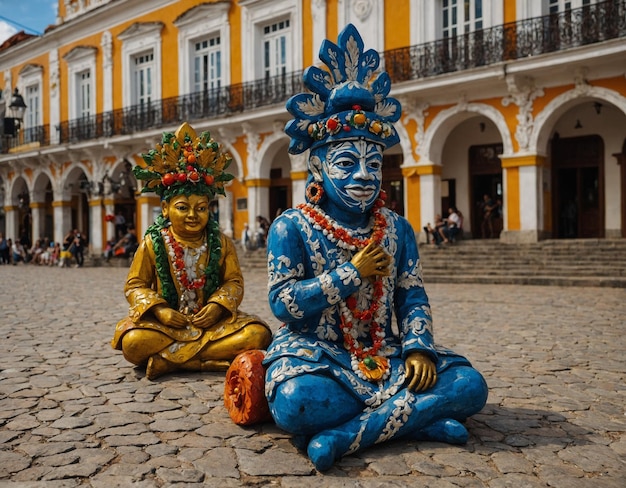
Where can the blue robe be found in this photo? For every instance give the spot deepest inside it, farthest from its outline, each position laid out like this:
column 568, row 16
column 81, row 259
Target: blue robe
column 309, row 275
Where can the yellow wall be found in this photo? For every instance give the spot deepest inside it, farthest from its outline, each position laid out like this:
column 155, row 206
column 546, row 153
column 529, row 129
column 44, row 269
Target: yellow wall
column 510, row 11
column 397, row 29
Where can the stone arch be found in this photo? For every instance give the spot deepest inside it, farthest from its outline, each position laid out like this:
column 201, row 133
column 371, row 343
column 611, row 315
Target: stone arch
column 270, row 147
column 71, row 178
column 40, row 184
column 546, row 119
column 405, row 144
column 437, row 132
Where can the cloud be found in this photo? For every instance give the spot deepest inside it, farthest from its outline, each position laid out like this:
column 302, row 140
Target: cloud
column 6, row 31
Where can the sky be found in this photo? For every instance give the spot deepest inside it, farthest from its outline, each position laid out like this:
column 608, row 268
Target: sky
column 32, row 16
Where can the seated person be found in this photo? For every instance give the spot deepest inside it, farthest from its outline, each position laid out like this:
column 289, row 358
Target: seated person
column 184, row 284
column 434, row 231
column 342, row 267
column 452, row 225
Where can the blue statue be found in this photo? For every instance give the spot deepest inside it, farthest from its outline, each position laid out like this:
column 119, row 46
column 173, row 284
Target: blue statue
column 355, row 363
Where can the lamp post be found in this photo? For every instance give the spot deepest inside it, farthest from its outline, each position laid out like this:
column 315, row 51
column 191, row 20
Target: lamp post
column 16, row 110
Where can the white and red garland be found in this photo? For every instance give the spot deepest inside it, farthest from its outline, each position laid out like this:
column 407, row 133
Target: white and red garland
column 185, row 263
column 368, row 362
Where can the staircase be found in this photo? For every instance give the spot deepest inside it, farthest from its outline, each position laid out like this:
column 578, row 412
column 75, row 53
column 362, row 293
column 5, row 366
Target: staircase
column 572, row 262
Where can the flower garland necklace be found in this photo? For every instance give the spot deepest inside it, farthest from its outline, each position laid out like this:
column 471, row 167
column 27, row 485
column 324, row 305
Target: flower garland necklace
column 184, row 262
column 366, row 361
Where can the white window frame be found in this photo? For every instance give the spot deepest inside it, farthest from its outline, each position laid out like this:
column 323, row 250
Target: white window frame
column 427, row 22
column 369, row 19
column 145, row 67
column 271, row 38
column 255, row 15
column 197, row 24
column 527, row 9
column 80, row 60
column 31, row 75
column 138, row 39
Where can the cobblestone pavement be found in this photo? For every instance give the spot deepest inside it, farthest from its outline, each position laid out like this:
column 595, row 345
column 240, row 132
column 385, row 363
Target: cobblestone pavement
column 74, row 412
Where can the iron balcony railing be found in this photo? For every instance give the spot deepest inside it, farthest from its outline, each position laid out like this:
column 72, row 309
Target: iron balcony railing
column 516, row 40
column 531, row 37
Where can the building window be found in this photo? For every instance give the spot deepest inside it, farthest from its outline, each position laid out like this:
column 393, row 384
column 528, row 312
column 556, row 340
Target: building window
column 461, row 17
column 143, row 68
column 557, row 6
column 275, row 45
column 83, row 103
column 32, row 116
column 207, row 65
column 269, row 32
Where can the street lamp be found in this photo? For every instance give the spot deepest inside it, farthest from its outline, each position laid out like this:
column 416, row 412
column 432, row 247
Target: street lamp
column 16, row 111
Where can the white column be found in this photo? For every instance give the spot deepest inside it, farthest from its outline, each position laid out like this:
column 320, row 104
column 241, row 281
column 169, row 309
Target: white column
column 430, row 198
column 62, row 219
column 226, row 214
column 298, row 188
column 530, row 196
column 12, row 224
column 96, row 218
column 37, row 221
column 258, row 204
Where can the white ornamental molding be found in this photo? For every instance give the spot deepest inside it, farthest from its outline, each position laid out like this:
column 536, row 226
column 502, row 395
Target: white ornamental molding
column 522, row 93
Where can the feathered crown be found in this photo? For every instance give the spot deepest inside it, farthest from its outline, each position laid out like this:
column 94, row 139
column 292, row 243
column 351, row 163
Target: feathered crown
column 185, row 164
column 349, row 101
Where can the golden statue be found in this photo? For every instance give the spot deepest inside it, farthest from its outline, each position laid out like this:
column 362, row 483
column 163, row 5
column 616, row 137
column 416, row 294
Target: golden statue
column 185, row 285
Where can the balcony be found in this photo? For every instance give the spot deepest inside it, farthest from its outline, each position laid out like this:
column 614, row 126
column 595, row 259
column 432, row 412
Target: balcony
column 518, row 40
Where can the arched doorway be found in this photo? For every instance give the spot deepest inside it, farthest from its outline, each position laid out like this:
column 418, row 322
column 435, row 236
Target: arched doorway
column 578, row 181
column 485, row 169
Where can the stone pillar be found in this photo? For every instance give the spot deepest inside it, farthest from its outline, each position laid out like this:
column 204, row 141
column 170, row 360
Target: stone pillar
column 62, row 218
column 298, row 187
column 258, row 200
column 422, row 195
column 109, row 227
column 226, row 214
column 525, row 181
column 38, row 215
column 96, row 227
column 148, row 207
column 11, row 214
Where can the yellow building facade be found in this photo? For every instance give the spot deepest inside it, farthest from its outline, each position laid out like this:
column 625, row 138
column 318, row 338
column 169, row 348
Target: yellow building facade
column 520, row 100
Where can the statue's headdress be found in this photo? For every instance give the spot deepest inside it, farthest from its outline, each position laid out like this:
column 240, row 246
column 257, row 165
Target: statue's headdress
column 349, row 101
column 185, row 164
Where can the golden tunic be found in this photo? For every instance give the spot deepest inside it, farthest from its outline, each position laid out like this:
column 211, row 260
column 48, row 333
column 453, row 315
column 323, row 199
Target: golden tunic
column 143, row 291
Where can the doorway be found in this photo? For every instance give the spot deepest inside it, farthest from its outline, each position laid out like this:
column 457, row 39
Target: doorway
column 578, row 197
column 280, row 193
column 393, row 182
column 486, row 179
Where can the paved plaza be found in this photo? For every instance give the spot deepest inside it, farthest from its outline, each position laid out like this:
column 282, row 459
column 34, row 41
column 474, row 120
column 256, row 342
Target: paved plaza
column 73, row 412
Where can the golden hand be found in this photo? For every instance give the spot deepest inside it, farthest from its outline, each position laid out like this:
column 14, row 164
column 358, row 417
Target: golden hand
column 210, row 314
column 169, row 316
column 421, row 370
column 372, row 260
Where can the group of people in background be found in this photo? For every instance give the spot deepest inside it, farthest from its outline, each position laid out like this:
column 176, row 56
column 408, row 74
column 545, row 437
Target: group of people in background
column 445, row 230
column 251, row 240
column 44, row 251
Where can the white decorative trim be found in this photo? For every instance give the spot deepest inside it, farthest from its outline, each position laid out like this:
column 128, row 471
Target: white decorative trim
column 107, row 71
column 522, row 93
column 254, row 14
column 201, row 22
column 438, row 131
column 79, row 60
column 367, row 16
column 55, row 94
column 141, row 38
column 545, row 120
column 31, row 75
column 318, row 12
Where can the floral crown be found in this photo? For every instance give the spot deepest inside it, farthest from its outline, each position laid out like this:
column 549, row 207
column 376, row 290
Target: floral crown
column 184, row 164
column 349, row 101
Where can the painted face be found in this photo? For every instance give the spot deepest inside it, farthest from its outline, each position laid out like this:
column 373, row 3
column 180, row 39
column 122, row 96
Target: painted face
column 189, row 215
column 353, row 174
